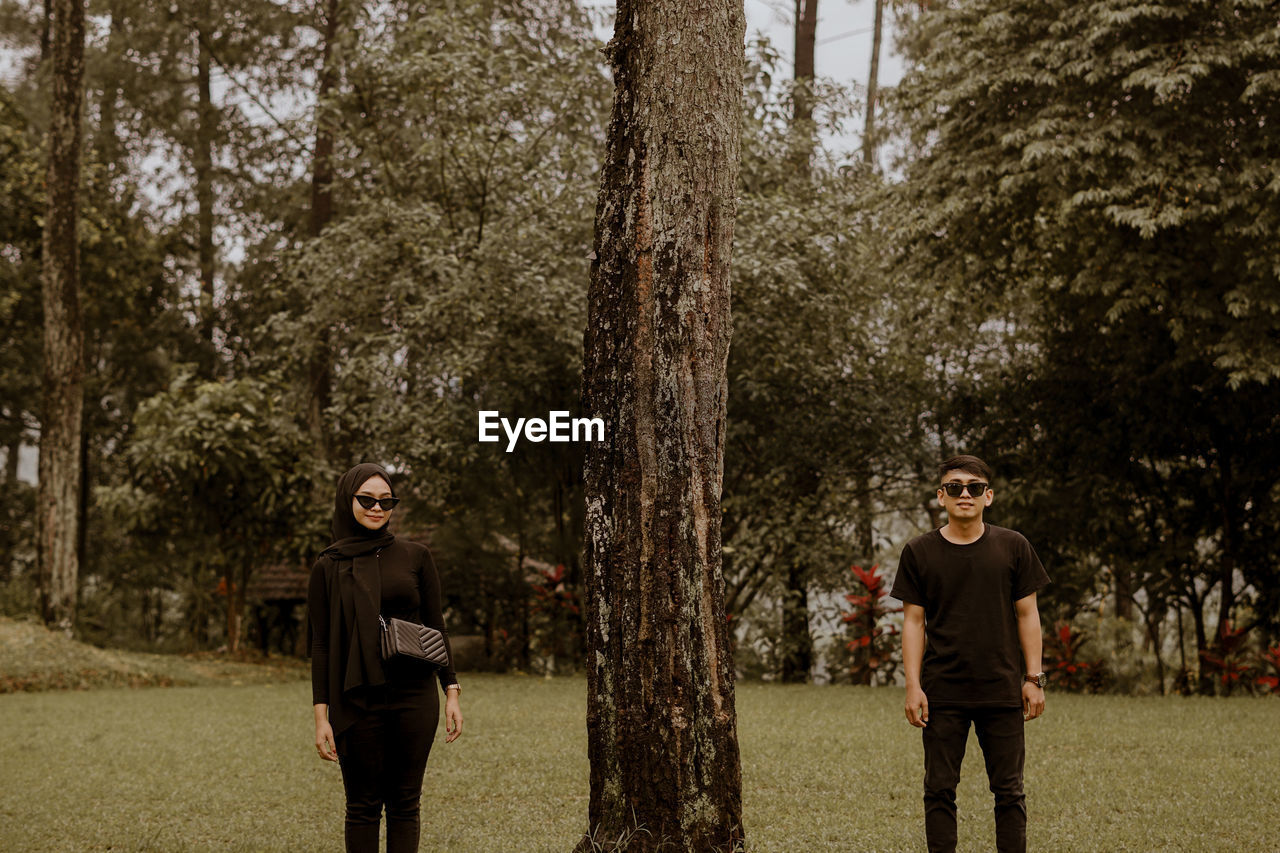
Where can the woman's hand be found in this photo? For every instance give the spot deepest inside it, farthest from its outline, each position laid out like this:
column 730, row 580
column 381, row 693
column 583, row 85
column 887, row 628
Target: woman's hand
column 452, row 716
column 324, row 734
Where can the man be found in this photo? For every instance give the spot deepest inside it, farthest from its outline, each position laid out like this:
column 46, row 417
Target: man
column 968, row 593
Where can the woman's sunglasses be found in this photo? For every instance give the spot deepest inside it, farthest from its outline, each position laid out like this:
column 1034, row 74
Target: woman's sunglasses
column 367, row 501
column 956, row 489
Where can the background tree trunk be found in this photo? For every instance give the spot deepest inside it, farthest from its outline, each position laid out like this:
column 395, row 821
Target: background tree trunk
column 797, row 641
column 58, row 498
column 873, row 85
column 11, row 462
column 46, row 26
column 320, row 365
column 322, row 159
column 803, row 137
column 1123, row 591
column 202, row 160
column 661, row 722
column 806, row 40
column 233, row 614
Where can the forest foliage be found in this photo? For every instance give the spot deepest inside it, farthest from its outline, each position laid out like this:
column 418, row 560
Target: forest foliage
column 1070, row 270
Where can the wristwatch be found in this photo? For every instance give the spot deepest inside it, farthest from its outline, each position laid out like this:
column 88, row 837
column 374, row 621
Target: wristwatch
column 455, row 686
column 1040, row 679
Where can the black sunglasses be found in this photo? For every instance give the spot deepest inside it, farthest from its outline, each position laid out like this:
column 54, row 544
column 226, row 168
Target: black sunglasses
column 956, row 489
column 367, row 501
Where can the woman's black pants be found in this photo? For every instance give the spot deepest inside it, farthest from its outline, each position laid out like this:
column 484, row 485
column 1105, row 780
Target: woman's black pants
column 384, row 756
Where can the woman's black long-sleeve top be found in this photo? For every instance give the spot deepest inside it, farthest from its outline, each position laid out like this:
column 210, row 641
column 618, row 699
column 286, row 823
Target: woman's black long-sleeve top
column 410, row 589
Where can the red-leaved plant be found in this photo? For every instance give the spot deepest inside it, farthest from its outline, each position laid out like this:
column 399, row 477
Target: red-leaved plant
column 870, row 642
column 1067, row 669
column 1227, row 661
column 1270, row 660
column 555, row 614
column 551, row 593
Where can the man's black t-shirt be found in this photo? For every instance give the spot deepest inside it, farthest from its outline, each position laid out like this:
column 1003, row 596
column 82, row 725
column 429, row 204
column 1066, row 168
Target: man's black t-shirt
column 971, row 657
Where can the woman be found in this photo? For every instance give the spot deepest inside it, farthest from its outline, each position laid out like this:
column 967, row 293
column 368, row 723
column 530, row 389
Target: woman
column 376, row 718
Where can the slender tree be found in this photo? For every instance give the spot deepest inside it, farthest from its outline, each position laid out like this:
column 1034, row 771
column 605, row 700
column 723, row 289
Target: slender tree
column 805, row 45
column 320, row 364
column 202, row 160
column 797, row 642
column 61, row 474
column 873, row 86
column 46, row 23
column 661, row 722
column 322, row 159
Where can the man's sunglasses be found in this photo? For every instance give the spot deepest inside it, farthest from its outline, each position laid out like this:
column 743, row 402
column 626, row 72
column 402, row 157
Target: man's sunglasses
column 367, row 501
column 956, row 489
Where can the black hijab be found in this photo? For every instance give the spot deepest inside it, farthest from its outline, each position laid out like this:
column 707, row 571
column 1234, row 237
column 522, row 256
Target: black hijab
column 354, row 550
column 350, row 537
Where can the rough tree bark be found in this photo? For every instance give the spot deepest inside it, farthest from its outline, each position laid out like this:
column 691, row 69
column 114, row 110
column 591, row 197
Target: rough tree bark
column 58, row 497
column 661, row 723
column 873, row 85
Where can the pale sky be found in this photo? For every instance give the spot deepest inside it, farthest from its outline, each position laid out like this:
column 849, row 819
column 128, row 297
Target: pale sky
column 844, row 37
column 843, row 50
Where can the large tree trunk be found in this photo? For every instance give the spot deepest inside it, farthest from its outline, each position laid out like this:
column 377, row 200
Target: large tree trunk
column 873, row 86
column 58, row 498
column 661, row 724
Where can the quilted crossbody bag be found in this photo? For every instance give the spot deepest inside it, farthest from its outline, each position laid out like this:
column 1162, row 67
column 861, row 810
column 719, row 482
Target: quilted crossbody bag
column 401, row 638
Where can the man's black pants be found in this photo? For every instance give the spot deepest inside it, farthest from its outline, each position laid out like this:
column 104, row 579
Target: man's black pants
column 384, row 757
column 1000, row 736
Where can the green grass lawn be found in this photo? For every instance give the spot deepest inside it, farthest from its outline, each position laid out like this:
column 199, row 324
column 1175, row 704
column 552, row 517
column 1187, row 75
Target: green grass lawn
column 824, row 768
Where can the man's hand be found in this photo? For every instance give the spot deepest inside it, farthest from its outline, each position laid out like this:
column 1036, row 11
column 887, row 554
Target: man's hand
column 918, row 707
column 1032, row 700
